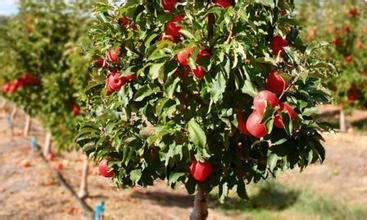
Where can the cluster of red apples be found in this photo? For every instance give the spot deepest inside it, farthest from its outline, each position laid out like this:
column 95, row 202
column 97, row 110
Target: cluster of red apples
column 276, row 85
column 25, row 79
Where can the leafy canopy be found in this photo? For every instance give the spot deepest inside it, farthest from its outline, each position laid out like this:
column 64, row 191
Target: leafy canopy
column 156, row 125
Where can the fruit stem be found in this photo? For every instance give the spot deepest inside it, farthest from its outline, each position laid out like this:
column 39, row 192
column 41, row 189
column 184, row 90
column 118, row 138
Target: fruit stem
column 200, row 211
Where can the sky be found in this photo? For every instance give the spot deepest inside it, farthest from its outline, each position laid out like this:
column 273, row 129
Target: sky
column 8, row 7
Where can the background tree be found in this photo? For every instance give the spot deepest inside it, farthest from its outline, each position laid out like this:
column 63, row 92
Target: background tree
column 48, row 68
column 346, row 31
column 210, row 94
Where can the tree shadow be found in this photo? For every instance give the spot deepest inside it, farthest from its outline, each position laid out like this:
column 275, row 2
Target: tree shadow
column 167, row 199
column 271, row 196
column 360, row 124
column 100, row 197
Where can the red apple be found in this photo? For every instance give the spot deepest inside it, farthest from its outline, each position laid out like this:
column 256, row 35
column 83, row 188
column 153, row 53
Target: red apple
column 254, row 125
column 353, row 94
column 183, row 56
column 198, row 72
column 223, row 3
column 203, row 53
column 309, row 38
column 353, row 12
column 29, row 79
column 104, row 170
column 124, row 21
column 60, row 166
column 242, row 123
column 336, row 41
column 6, row 87
column 284, row 107
column 275, row 83
column 172, row 28
column 115, row 81
column 109, row 91
column 359, row 44
column 263, row 98
column 348, row 58
column 130, row 77
column 200, row 171
column 19, row 83
column 49, row 156
column 277, row 45
column 168, row 5
column 76, row 110
column 101, row 63
column 12, row 88
column 113, row 55
column 346, row 28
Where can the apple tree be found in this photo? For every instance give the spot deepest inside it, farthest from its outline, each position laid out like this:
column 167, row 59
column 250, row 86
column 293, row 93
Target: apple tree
column 46, row 67
column 346, row 32
column 209, row 94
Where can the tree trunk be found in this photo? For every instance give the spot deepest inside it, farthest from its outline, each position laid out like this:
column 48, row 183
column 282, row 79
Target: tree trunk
column 342, row 122
column 200, row 211
column 27, row 125
column 83, row 191
column 47, row 146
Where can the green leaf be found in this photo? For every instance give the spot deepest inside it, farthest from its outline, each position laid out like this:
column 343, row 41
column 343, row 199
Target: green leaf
column 155, row 69
column 217, row 88
column 196, row 134
column 241, row 190
column 135, row 175
column 160, row 105
column 190, row 186
column 170, row 87
column 187, row 34
column 288, row 123
column 173, row 177
column 145, row 92
column 249, row 88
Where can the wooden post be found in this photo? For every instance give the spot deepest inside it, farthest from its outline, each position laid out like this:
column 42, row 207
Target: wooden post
column 47, row 146
column 200, row 211
column 27, row 125
column 3, row 102
column 83, row 190
column 342, row 121
column 12, row 116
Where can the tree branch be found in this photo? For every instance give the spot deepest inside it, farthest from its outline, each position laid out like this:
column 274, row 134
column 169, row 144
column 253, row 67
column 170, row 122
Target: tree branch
column 299, row 72
column 211, row 21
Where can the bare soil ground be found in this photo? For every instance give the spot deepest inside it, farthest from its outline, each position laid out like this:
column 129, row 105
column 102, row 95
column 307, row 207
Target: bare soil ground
column 28, row 190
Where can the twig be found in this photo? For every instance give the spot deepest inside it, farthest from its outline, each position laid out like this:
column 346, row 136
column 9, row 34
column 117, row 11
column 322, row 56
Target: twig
column 230, row 36
column 211, row 21
column 299, row 72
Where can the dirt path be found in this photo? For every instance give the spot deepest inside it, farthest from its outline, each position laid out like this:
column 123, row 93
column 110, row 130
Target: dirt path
column 343, row 176
column 28, row 190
